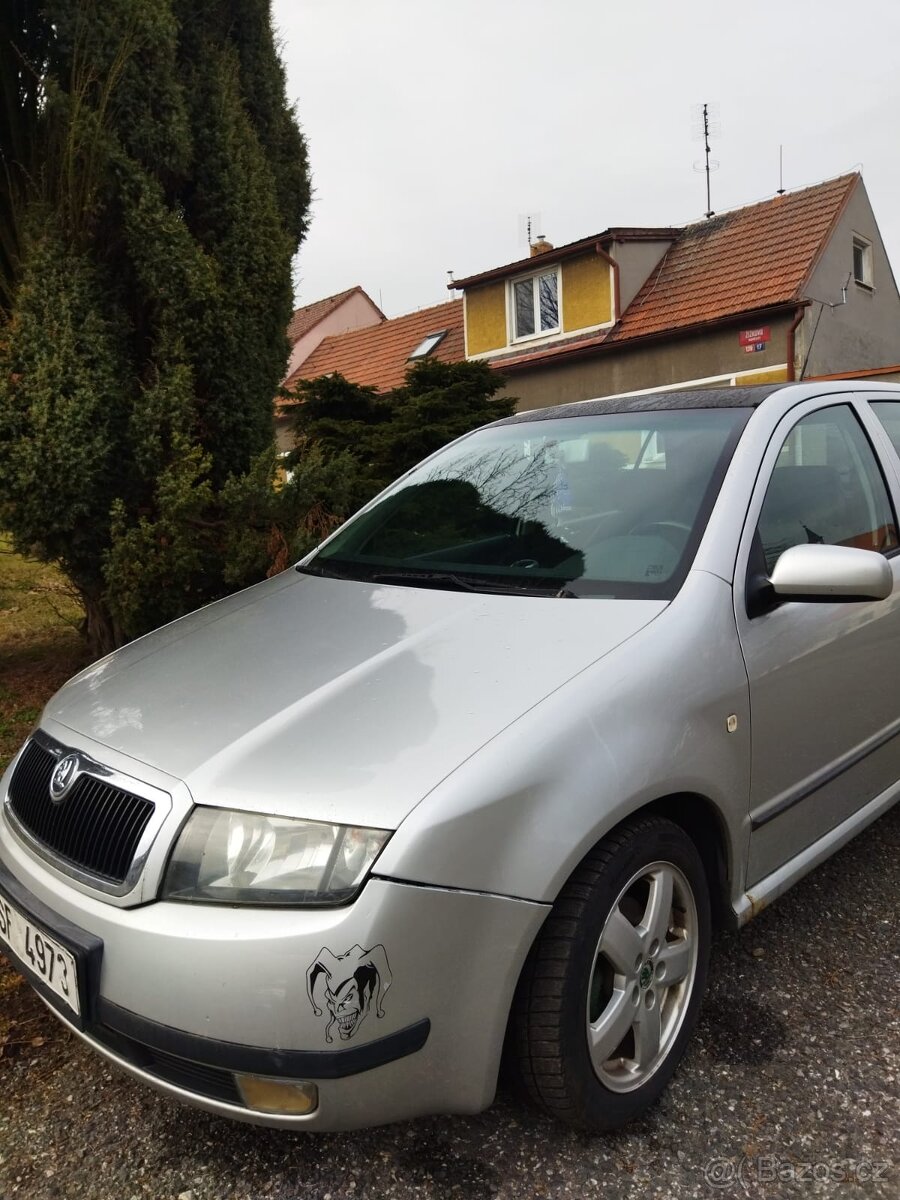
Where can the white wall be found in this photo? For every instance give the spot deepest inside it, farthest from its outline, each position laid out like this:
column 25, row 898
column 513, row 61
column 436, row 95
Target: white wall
column 864, row 332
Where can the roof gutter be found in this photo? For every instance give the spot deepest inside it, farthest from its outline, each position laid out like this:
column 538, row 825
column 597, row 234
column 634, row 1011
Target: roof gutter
column 863, row 373
column 557, row 254
column 553, row 355
column 560, row 253
column 791, row 338
column 615, row 274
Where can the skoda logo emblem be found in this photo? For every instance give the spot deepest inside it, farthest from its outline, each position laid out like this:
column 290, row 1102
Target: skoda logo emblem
column 63, row 777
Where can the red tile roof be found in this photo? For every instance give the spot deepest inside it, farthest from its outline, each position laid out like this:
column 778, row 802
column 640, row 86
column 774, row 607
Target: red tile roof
column 747, row 261
column 752, row 258
column 865, row 373
column 378, row 355
column 574, row 341
column 311, row 314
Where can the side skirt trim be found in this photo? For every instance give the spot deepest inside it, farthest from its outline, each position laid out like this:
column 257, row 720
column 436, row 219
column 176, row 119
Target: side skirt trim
column 761, row 895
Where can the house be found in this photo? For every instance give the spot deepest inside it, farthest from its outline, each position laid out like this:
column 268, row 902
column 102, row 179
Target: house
column 795, row 287
column 379, row 355
column 352, row 309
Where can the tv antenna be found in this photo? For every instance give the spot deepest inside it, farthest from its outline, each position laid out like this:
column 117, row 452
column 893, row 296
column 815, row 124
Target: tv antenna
column 781, row 170
column 706, row 125
column 527, row 223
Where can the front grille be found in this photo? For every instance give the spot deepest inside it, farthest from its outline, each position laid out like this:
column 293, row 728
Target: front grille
column 96, row 828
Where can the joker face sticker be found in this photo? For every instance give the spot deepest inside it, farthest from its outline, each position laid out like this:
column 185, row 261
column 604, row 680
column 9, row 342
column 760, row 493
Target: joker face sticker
column 346, row 985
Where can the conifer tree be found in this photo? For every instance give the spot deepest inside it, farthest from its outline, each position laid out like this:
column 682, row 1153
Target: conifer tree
column 165, row 193
column 387, row 433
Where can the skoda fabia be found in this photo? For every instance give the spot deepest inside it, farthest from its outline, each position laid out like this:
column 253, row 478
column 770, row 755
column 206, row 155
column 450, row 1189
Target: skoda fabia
column 481, row 771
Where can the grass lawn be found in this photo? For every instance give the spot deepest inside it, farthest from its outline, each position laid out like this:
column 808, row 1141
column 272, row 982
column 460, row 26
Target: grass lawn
column 39, row 649
column 39, row 643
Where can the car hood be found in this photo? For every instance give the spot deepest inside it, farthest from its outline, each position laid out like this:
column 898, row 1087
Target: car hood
column 333, row 699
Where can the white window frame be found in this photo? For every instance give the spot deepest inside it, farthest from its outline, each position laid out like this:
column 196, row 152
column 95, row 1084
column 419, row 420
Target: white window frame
column 868, row 280
column 539, row 333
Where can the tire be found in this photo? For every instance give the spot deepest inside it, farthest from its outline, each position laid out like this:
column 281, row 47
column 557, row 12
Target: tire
column 594, row 994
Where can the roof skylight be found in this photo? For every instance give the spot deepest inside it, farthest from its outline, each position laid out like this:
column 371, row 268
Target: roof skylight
column 427, row 344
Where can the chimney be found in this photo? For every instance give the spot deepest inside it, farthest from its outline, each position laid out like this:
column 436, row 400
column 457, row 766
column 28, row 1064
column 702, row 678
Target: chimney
column 540, row 246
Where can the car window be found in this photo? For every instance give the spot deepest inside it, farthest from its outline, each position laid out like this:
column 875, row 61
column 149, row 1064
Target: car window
column 888, row 413
column 608, row 504
column 826, row 487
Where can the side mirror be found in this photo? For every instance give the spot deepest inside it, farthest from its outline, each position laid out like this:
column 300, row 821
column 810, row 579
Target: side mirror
column 832, row 573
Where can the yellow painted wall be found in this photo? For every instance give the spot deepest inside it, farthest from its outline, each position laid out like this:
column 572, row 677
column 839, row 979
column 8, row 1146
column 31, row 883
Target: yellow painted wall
column 586, row 301
column 486, row 318
column 773, row 375
column 586, row 293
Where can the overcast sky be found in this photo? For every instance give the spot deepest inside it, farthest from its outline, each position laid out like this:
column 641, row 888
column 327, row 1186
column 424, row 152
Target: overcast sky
column 434, row 124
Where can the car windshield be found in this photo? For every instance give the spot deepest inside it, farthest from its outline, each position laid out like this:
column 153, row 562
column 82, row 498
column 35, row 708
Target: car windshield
column 599, row 505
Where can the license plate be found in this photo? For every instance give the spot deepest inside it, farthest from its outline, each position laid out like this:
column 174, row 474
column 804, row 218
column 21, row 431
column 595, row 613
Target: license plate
column 41, row 955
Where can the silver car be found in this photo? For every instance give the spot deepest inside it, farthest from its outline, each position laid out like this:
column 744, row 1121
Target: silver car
column 482, row 771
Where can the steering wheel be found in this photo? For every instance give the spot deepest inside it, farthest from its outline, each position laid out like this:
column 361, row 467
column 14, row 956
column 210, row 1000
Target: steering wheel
column 675, row 533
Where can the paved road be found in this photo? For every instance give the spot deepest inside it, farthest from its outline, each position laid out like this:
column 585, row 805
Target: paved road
column 794, row 1074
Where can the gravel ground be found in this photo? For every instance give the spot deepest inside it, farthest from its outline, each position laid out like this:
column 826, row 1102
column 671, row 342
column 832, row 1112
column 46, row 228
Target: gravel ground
column 791, row 1088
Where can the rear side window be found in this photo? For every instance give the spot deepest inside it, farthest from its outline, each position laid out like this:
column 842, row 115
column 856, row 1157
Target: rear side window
column 826, row 487
column 888, row 413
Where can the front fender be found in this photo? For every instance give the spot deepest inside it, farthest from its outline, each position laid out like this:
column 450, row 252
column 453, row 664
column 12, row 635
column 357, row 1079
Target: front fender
column 648, row 720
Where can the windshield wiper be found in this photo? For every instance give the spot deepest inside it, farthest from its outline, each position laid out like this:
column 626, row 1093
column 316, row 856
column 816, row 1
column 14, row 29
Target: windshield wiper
column 438, row 579
column 461, row 584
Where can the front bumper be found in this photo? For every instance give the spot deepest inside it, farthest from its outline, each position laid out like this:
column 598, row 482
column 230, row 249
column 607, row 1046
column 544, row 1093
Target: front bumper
column 185, row 996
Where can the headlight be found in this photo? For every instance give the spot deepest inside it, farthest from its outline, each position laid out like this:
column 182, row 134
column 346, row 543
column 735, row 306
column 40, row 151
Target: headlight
column 229, row 857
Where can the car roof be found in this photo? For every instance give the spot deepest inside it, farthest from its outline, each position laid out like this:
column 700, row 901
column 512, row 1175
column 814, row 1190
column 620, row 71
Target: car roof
column 721, row 397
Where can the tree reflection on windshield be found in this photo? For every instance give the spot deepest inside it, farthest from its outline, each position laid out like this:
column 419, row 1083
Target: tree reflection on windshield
column 612, row 504
column 451, row 523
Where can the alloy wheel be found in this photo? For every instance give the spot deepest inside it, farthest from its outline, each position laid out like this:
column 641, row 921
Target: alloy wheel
column 642, row 978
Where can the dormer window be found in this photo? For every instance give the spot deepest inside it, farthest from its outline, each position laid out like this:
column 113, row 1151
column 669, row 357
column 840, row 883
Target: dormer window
column 427, row 344
column 862, row 261
column 534, row 302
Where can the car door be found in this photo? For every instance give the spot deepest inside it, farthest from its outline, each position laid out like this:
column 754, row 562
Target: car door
column 824, row 683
